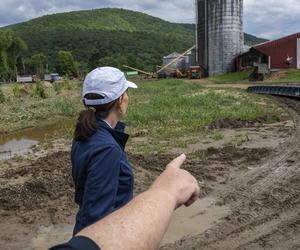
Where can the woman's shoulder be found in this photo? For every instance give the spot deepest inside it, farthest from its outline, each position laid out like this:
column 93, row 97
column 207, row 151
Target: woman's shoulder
column 102, row 137
column 97, row 141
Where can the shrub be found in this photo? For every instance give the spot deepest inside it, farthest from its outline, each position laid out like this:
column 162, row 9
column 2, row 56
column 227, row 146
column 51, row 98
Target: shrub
column 57, row 87
column 67, row 84
column 2, row 97
column 66, row 107
column 16, row 90
column 39, row 90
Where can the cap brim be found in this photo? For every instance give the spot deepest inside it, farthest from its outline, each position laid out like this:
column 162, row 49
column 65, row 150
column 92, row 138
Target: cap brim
column 131, row 85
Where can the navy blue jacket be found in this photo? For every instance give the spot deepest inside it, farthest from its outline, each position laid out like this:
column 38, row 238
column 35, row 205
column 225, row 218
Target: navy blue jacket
column 102, row 175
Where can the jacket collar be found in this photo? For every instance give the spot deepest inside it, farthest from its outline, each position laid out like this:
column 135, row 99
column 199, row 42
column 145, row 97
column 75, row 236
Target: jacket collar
column 117, row 133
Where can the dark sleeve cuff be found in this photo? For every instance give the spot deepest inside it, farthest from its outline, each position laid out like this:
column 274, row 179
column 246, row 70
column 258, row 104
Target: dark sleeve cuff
column 78, row 243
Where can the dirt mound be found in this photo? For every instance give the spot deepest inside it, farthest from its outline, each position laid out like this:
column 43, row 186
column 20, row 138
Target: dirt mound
column 241, row 155
column 236, row 123
column 147, row 168
column 216, row 167
column 45, row 184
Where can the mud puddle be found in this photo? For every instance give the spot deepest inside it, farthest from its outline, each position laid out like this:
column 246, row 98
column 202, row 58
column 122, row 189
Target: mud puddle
column 190, row 221
column 21, row 142
column 16, row 147
column 50, row 236
column 193, row 220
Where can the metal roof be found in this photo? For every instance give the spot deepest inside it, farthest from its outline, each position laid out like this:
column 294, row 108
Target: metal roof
column 173, row 55
column 278, row 40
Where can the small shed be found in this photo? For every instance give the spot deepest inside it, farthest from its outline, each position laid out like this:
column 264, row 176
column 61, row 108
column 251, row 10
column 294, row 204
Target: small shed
column 250, row 58
column 169, row 58
column 181, row 64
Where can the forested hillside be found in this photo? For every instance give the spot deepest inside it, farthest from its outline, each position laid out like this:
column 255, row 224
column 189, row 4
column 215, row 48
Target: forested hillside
column 250, row 40
column 105, row 37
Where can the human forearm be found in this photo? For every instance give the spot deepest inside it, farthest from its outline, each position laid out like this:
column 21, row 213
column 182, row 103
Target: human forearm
column 125, row 225
column 141, row 224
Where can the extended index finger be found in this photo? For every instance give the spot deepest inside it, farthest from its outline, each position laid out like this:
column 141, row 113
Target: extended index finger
column 177, row 162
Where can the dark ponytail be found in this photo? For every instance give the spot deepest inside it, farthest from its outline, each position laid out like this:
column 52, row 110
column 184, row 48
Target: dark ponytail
column 87, row 123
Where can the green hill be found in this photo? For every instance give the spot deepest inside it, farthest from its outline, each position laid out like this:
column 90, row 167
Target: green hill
column 253, row 40
column 250, row 40
column 105, row 36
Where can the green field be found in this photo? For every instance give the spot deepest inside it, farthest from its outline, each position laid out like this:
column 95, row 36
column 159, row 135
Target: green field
column 170, row 111
column 165, row 114
column 281, row 76
column 231, row 77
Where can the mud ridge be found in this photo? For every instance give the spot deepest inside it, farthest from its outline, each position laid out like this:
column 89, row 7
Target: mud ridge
column 265, row 202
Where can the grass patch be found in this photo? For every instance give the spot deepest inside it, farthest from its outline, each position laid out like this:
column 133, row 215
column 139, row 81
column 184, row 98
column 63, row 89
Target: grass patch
column 66, row 107
column 166, row 113
column 39, row 90
column 170, row 111
column 238, row 140
column 282, row 76
column 231, row 77
column 16, row 89
column 285, row 76
column 201, row 154
column 25, row 111
column 217, row 136
column 292, row 75
column 2, row 97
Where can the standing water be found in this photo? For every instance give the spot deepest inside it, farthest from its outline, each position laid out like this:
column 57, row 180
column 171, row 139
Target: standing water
column 196, row 219
column 21, row 142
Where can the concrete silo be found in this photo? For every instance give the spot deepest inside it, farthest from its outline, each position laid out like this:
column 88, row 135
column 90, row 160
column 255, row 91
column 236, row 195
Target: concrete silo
column 220, row 37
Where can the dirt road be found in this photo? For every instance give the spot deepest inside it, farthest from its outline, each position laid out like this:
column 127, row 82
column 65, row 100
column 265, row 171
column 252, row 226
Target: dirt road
column 264, row 202
column 258, row 181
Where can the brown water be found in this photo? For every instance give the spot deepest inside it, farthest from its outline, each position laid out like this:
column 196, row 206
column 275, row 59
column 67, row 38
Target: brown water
column 193, row 220
column 50, row 236
column 21, row 142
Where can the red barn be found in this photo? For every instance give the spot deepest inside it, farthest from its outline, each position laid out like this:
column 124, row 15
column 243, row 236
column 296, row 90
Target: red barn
column 282, row 53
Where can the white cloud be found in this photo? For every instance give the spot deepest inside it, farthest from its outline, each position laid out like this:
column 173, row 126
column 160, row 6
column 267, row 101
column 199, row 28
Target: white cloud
column 265, row 18
column 272, row 18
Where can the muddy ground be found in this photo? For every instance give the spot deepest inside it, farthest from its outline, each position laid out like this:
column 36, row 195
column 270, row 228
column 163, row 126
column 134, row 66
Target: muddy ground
column 258, row 180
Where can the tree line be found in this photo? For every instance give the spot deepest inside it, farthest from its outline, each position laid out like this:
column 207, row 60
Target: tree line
column 13, row 60
column 11, row 48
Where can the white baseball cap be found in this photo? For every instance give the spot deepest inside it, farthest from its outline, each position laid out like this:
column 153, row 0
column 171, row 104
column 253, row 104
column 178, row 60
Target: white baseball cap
column 108, row 82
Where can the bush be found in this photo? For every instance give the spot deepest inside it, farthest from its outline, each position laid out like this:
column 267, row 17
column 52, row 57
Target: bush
column 66, row 107
column 57, row 87
column 67, row 84
column 2, row 97
column 16, row 90
column 39, row 90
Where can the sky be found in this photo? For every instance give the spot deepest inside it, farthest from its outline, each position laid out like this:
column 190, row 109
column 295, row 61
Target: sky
column 264, row 18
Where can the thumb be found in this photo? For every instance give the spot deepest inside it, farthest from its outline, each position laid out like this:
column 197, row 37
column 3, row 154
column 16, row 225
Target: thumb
column 177, row 162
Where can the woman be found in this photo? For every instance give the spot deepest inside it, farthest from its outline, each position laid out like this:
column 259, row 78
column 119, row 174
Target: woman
column 102, row 175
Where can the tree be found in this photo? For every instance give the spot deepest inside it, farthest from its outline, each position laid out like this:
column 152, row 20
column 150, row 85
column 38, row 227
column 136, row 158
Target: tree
column 11, row 48
column 65, row 64
column 93, row 61
column 4, row 68
column 38, row 63
column 14, row 52
column 82, row 69
column 5, row 42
